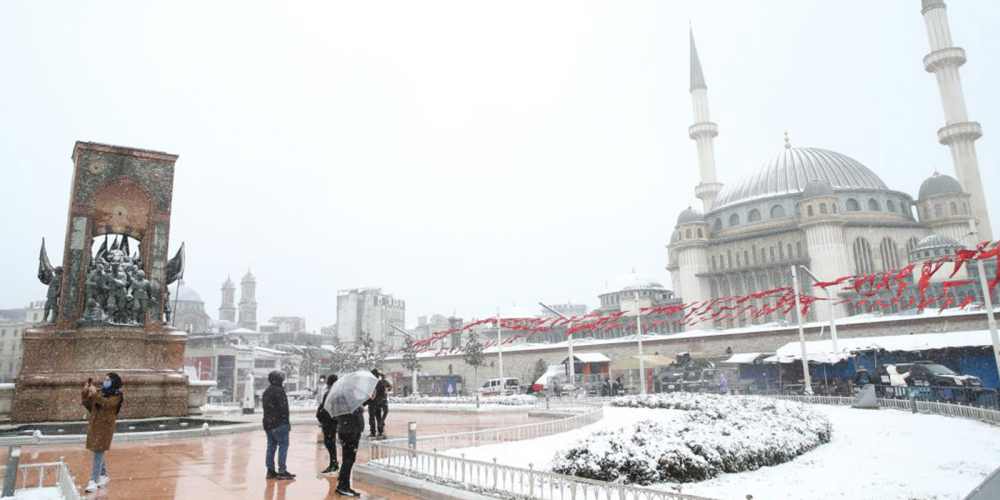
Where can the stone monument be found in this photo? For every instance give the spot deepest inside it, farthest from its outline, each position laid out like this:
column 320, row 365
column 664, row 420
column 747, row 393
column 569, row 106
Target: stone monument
column 107, row 310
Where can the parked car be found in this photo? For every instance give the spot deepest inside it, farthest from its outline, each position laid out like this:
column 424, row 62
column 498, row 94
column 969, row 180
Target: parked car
column 926, row 374
column 501, row 387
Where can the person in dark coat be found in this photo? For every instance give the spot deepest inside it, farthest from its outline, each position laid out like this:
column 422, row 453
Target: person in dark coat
column 276, row 426
column 378, row 408
column 329, row 425
column 349, row 427
column 103, row 405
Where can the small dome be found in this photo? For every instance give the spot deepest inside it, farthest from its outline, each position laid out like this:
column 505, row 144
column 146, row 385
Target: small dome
column 817, row 188
column 633, row 281
column 186, row 294
column 940, row 184
column 937, row 241
column 690, row 215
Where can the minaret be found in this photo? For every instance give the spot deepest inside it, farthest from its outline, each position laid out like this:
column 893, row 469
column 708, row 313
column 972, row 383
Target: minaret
column 248, row 302
column 227, row 311
column 959, row 134
column 703, row 132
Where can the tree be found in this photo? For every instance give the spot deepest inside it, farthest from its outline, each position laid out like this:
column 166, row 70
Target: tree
column 345, row 358
column 309, row 367
column 474, row 355
column 540, row 368
column 370, row 354
column 410, row 361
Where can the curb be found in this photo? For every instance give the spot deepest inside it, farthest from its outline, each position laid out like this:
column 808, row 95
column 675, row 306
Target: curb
column 425, row 490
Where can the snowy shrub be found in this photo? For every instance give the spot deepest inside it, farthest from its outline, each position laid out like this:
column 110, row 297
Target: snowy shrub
column 516, row 400
column 714, row 434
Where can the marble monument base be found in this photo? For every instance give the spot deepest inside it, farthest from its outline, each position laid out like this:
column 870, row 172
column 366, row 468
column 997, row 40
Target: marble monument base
column 56, row 364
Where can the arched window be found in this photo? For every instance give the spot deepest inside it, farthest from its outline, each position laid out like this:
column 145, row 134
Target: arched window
column 734, row 220
column 938, row 212
column 822, row 208
column 718, row 225
column 798, row 249
column 753, row 251
column 873, row 205
column 772, row 254
column 834, row 208
column 863, row 257
column 954, row 208
column 890, row 254
column 713, row 262
column 853, row 205
column 700, row 234
column 746, row 258
column 763, row 256
column 754, row 216
column 687, row 234
column 809, row 210
column 890, row 206
column 910, row 245
column 790, row 256
column 777, row 212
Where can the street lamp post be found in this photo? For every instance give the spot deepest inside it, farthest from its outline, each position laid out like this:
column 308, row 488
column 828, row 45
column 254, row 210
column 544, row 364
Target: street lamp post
column 802, row 335
column 829, row 300
column 569, row 343
column 500, row 353
column 991, row 321
column 638, row 330
column 416, row 388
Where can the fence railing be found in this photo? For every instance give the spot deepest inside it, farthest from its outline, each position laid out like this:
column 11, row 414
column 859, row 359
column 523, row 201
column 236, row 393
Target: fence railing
column 46, row 475
column 988, row 415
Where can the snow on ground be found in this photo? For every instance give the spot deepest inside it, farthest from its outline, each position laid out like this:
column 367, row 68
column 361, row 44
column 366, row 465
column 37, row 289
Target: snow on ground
column 38, row 494
column 873, row 454
column 541, row 451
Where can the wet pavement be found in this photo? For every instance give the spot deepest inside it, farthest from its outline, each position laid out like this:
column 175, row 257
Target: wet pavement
column 231, row 467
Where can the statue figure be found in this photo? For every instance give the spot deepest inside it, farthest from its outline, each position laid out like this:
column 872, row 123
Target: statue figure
column 93, row 313
column 166, row 309
column 142, row 291
column 117, row 296
column 95, row 284
column 53, row 278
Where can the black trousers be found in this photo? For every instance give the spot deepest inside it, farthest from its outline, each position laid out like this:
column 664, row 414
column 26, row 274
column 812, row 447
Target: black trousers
column 330, row 440
column 376, row 417
column 349, row 449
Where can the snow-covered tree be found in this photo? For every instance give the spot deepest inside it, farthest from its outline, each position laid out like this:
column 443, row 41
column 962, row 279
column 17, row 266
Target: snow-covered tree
column 474, row 355
column 345, row 358
column 371, row 354
column 410, row 361
column 540, row 368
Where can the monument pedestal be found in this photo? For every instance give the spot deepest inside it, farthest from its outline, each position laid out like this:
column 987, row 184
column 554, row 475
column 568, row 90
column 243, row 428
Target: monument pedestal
column 56, row 364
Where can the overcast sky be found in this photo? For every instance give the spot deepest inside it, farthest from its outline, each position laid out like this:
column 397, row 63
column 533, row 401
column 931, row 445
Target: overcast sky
column 462, row 155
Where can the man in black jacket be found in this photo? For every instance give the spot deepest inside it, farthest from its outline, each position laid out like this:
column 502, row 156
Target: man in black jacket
column 349, row 427
column 329, row 425
column 276, row 426
column 378, row 408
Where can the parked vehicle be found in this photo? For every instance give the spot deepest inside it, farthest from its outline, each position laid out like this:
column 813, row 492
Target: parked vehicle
column 689, row 375
column 923, row 373
column 501, row 387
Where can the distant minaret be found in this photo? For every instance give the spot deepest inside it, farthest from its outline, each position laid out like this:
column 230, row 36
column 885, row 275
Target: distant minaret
column 227, row 311
column 703, row 132
column 248, row 302
column 959, row 134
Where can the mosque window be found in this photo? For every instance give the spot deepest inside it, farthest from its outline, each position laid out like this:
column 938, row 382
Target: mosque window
column 890, row 206
column 822, row 208
column 890, row 254
column 713, row 262
column 863, row 257
column 763, row 256
column 718, row 225
column 777, row 212
column 687, row 234
column 873, row 205
column 772, row 254
column 910, row 245
column 798, row 249
column 700, row 234
column 954, row 208
column 853, row 205
column 746, row 258
column 734, row 220
column 754, row 216
column 834, row 208
column 809, row 210
column 938, row 211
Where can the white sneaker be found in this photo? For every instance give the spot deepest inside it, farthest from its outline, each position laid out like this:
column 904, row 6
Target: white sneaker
column 103, row 481
column 91, row 486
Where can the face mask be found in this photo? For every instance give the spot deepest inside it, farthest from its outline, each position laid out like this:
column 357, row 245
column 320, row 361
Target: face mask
column 107, row 384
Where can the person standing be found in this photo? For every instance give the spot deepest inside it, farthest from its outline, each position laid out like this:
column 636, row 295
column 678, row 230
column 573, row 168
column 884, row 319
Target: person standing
column 276, row 426
column 103, row 405
column 329, row 425
column 349, row 427
column 378, row 409
column 321, row 389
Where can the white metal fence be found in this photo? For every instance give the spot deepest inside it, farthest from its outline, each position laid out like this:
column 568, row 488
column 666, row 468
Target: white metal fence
column 946, row 409
column 33, row 476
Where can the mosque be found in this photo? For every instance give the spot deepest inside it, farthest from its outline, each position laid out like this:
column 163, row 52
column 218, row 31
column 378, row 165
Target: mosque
column 825, row 210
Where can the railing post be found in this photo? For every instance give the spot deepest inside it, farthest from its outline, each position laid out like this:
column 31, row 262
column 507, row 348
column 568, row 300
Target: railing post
column 9, row 480
column 463, row 468
column 531, row 479
column 435, row 462
column 494, row 472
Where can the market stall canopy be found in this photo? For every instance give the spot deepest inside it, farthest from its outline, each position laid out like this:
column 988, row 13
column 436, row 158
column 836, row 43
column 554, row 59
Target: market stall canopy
column 745, row 358
column 589, row 357
column 648, row 360
column 821, row 351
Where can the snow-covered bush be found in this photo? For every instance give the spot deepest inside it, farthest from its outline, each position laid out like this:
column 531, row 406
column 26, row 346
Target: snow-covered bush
column 516, row 400
column 713, row 435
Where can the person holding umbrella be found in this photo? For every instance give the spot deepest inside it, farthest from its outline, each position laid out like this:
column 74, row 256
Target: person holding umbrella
column 103, row 406
column 344, row 401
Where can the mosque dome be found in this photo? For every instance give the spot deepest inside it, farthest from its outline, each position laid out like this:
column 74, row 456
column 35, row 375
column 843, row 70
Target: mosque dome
column 633, row 281
column 936, row 241
column 939, row 184
column 792, row 169
column 186, row 294
column 690, row 215
column 817, row 188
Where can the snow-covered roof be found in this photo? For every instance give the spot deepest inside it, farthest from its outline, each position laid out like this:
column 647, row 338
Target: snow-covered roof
column 648, row 361
column 590, row 357
column 744, row 358
column 821, row 351
column 241, row 331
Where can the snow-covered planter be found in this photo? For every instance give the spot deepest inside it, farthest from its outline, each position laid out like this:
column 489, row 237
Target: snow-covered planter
column 714, row 435
column 517, row 400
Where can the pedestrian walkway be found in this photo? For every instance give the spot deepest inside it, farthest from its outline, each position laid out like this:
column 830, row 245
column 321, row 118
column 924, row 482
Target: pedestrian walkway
column 231, row 467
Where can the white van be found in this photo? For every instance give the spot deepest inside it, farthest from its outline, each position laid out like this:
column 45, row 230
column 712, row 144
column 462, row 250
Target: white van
column 500, row 387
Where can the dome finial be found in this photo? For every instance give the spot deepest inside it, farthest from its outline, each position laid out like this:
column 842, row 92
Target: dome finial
column 788, row 142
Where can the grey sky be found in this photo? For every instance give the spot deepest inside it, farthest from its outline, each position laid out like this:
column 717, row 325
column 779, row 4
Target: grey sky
column 460, row 155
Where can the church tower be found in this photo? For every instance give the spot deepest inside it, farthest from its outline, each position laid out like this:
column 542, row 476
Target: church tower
column 959, row 134
column 703, row 132
column 227, row 311
column 248, row 302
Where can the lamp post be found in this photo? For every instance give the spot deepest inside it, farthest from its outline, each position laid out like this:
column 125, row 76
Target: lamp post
column 829, row 300
column 569, row 343
column 802, row 335
column 503, row 385
column 991, row 321
column 416, row 388
column 638, row 330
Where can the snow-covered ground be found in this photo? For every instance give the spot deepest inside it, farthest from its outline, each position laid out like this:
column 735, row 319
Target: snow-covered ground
column 878, row 455
column 38, row 494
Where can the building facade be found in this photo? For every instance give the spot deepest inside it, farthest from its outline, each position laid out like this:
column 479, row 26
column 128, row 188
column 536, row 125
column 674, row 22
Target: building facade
column 248, row 301
column 189, row 310
column 227, row 311
column 13, row 323
column 369, row 310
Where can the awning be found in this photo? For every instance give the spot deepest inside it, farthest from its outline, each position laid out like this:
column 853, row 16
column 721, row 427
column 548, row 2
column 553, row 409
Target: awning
column 821, row 351
column 589, row 357
column 745, row 358
column 648, row 361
